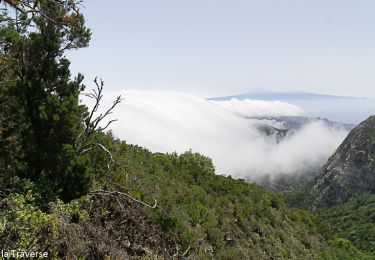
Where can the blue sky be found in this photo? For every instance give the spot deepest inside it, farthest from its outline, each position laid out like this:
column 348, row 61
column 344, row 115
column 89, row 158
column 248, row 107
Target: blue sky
column 222, row 47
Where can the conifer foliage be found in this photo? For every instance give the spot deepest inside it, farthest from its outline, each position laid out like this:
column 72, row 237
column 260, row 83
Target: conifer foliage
column 40, row 109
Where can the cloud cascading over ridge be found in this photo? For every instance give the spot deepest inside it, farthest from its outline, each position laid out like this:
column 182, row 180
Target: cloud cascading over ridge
column 164, row 121
column 254, row 108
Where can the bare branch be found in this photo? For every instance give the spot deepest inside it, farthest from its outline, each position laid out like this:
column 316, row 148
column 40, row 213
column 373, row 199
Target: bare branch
column 108, row 124
column 183, row 254
column 91, row 146
column 118, row 193
column 187, row 250
column 91, row 122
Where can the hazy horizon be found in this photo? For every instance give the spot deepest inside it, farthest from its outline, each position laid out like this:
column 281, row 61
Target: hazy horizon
column 344, row 109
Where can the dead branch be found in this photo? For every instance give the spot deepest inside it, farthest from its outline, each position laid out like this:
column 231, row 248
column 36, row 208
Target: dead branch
column 84, row 143
column 119, row 194
column 111, row 159
column 92, row 123
column 177, row 254
column 187, row 250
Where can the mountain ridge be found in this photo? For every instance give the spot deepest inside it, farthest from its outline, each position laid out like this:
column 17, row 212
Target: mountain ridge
column 350, row 171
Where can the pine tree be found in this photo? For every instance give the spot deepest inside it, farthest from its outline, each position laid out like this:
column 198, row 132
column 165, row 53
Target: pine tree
column 34, row 37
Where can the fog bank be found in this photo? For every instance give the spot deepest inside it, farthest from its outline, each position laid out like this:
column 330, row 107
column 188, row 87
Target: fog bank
column 163, row 121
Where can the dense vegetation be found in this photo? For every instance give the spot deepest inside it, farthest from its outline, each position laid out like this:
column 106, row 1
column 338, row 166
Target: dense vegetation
column 354, row 221
column 229, row 218
column 197, row 212
column 72, row 190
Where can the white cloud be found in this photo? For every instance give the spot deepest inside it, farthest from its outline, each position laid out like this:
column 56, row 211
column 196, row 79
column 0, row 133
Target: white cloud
column 168, row 121
column 253, row 108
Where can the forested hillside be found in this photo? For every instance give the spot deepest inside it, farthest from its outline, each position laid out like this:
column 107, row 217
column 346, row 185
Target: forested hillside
column 341, row 195
column 165, row 205
column 72, row 190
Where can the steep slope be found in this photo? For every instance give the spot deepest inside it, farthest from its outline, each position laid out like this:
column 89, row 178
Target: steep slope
column 350, row 171
column 199, row 215
column 353, row 220
column 220, row 217
column 96, row 226
column 217, row 216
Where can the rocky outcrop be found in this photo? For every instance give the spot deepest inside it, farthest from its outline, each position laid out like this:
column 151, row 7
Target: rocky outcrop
column 350, row 171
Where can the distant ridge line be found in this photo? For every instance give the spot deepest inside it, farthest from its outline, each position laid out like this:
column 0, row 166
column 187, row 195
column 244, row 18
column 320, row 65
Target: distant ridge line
column 281, row 96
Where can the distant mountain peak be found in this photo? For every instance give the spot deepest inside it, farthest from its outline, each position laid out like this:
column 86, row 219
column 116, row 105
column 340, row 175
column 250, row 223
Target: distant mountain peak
column 350, row 171
column 275, row 95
